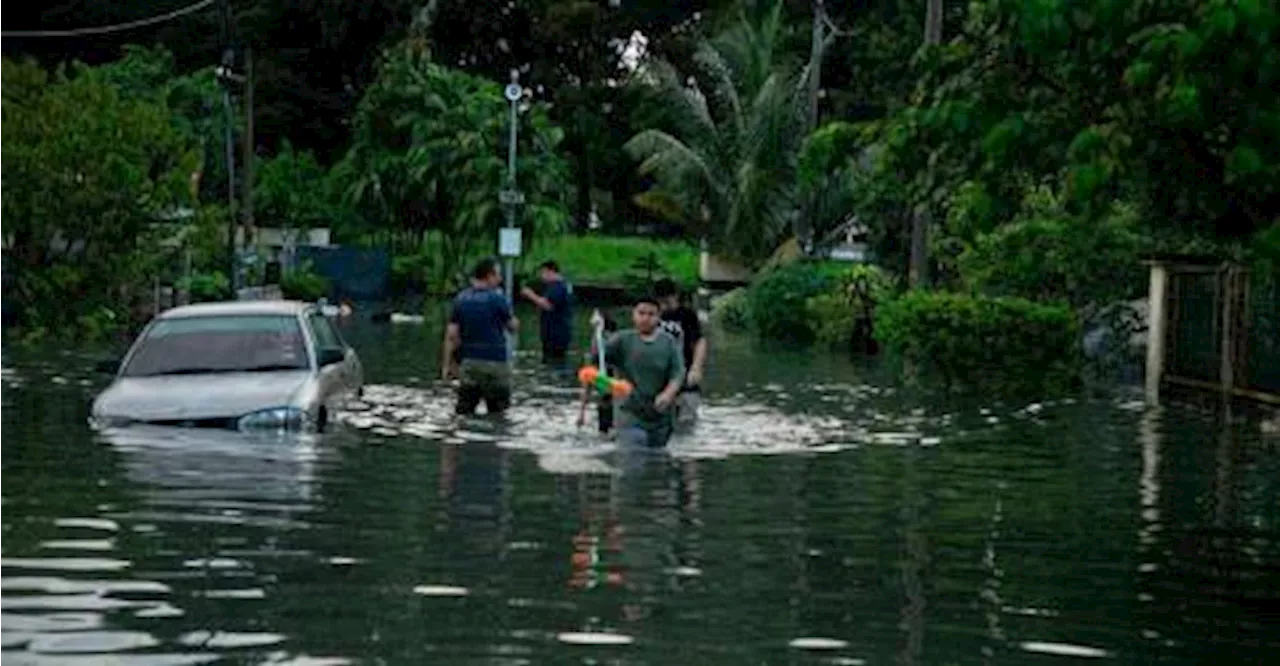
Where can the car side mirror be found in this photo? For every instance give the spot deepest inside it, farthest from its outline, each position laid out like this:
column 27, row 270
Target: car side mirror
column 109, row 366
column 331, row 355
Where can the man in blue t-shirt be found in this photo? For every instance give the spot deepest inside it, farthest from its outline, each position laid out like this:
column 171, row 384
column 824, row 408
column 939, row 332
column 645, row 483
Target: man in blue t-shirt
column 475, row 342
column 556, row 304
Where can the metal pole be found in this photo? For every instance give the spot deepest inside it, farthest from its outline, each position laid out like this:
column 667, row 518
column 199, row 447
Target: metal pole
column 231, row 192
column 507, row 265
column 511, row 209
column 247, row 187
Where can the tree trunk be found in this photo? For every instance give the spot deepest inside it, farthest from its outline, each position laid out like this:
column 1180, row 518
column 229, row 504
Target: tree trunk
column 918, row 271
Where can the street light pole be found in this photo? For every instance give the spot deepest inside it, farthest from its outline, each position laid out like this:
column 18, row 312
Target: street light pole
column 509, row 240
column 249, row 146
column 228, row 58
column 507, row 267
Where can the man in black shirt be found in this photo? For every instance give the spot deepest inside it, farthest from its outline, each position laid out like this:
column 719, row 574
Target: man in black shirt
column 682, row 323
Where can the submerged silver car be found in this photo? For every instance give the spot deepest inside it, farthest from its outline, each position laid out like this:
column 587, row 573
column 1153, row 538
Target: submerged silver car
column 244, row 365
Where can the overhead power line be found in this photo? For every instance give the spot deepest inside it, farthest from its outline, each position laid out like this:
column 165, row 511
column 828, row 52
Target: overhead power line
column 106, row 29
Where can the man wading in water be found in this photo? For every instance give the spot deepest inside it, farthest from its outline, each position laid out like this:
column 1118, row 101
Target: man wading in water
column 477, row 334
column 556, row 304
column 651, row 360
column 682, row 323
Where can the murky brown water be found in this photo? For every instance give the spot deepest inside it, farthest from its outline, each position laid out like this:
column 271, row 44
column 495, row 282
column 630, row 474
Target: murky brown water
column 817, row 515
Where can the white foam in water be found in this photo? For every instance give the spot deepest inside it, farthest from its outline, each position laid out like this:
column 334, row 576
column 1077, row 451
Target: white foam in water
column 543, row 422
column 228, row 639
column 593, row 638
column 306, row 660
column 66, row 563
column 688, row 572
column 89, row 523
column 79, row 544
column 441, row 591
column 817, row 643
column 213, row 563
column 92, row 642
column 342, row 561
column 161, row 611
column 1063, row 649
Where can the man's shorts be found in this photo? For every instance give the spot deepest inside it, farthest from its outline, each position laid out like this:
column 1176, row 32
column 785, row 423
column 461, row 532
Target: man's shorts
column 489, row 381
column 652, row 434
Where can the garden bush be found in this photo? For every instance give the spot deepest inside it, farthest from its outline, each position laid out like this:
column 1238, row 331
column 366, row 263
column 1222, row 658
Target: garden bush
column 974, row 338
column 836, row 315
column 205, row 286
column 303, row 284
column 732, row 310
column 777, row 299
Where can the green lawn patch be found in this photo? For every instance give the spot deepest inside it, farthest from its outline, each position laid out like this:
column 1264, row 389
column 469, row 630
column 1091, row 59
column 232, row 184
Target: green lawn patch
column 616, row 260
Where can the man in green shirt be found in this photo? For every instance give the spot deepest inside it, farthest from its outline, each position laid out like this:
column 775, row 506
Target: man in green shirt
column 651, row 359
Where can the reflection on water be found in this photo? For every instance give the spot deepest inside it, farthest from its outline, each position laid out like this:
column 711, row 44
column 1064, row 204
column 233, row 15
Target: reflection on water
column 814, row 516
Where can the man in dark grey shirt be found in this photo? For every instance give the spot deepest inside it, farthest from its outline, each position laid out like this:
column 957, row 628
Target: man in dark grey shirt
column 651, row 360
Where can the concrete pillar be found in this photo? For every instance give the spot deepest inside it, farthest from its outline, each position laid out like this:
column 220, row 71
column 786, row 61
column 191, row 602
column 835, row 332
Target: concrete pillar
column 1156, row 325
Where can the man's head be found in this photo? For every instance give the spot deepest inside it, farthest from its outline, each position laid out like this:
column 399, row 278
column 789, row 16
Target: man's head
column 646, row 315
column 549, row 271
column 486, row 273
column 666, row 294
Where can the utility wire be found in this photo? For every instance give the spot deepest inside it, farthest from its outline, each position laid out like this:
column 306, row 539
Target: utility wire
column 105, row 29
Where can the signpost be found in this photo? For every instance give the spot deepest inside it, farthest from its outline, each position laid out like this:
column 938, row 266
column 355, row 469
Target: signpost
column 509, row 237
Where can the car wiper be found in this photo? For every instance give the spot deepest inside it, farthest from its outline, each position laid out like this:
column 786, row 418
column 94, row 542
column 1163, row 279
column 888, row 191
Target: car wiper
column 185, row 371
column 269, row 367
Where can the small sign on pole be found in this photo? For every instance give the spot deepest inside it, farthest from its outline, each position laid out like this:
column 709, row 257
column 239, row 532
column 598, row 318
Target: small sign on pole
column 511, row 197
column 509, row 241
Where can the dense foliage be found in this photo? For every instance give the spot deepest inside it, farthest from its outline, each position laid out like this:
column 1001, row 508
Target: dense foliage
column 428, row 154
column 973, row 339
column 777, row 298
column 843, row 315
column 1048, row 144
column 84, row 194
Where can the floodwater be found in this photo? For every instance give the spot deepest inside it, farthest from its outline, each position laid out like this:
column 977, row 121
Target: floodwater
column 818, row 515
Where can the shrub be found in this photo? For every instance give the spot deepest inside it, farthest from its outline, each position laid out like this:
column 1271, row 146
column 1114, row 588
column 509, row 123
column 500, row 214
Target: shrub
column 732, row 310
column 206, row 286
column 967, row 337
column 409, row 273
column 1087, row 263
column 837, row 314
column 303, row 284
column 777, row 300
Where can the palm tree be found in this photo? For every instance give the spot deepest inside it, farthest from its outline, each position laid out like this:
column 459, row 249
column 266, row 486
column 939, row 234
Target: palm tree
column 727, row 167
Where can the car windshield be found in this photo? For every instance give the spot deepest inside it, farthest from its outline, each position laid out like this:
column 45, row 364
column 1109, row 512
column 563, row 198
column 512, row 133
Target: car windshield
column 225, row 343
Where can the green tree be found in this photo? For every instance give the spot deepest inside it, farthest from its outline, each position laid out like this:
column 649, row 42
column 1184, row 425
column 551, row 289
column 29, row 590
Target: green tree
column 195, row 102
column 727, row 167
column 428, row 154
column 292, row 190
column 82, row 191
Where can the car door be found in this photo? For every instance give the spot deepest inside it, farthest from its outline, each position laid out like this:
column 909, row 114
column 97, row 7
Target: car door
column 335, row 379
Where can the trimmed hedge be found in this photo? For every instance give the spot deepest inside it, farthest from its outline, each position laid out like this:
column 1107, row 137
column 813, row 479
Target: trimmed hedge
column 973, row 338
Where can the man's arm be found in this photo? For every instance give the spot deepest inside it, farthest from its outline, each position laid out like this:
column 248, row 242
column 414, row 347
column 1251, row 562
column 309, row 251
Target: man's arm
column 539, row 301
column 694, row 330
column 452, row 339
column 675, row 377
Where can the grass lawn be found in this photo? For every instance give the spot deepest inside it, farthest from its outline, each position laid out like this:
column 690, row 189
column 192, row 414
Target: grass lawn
column 608, row 260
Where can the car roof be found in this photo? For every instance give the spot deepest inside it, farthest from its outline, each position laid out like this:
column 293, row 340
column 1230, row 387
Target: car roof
column 234, row 308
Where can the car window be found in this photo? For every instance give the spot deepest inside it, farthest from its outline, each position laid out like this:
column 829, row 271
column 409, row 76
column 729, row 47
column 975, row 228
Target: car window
column 220, row 343
column 326, row 337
